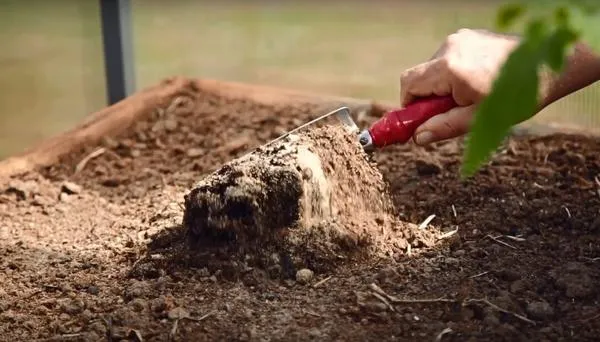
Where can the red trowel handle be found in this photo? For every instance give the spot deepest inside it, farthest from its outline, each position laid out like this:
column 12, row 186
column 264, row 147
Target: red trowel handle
column 398, row 126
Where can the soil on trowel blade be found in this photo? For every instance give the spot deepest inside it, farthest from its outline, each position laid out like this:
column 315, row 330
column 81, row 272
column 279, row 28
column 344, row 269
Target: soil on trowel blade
column 101, row 255
column 312, row 196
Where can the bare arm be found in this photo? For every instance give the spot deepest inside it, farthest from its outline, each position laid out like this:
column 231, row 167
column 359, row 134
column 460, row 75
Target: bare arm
column 582, row 69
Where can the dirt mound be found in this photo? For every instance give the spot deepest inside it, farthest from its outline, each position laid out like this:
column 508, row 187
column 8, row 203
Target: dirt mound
column 315, row 194
column 361, row 199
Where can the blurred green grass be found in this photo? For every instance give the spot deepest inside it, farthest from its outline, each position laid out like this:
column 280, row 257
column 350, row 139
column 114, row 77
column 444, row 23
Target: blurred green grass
column 52, row 71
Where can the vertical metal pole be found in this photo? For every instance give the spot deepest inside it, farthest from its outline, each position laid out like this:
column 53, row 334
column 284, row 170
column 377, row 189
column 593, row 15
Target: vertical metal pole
column 118, row 49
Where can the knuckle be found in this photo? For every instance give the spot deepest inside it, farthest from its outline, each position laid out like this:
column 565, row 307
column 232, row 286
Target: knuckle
column 451, row 65
column 441, row 89
column 446, row 65
column 406, row 77
column 459, row 35
column 452, row 38
column 464, row 31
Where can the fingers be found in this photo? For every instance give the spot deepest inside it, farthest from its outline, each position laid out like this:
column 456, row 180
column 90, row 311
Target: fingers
column 451, row 124
column 429, row 78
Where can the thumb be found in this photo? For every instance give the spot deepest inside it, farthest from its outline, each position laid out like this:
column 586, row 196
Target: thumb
column 451, row 124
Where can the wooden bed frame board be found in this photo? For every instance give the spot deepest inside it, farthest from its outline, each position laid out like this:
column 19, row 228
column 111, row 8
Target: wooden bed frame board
column 121, row 116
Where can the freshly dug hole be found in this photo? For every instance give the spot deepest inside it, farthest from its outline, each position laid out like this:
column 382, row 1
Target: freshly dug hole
column 314, row 193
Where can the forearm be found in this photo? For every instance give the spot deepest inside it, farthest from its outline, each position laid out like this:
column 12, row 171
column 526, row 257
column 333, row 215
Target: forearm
column 582, row 69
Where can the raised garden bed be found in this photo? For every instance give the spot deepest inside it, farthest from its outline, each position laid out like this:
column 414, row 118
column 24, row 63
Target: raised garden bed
column 92, row 243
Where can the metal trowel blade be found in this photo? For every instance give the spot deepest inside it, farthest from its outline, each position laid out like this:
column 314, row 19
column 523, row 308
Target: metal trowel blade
column 342, row 113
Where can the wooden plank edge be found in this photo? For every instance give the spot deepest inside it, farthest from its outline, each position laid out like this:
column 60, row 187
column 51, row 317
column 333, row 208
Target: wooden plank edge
column 110, row 120
column 121, row 116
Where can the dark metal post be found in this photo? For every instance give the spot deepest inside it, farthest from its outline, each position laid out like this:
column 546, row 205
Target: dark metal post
column 118, row 49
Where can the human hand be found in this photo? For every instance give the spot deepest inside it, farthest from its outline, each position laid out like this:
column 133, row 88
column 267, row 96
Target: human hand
column 465, row 66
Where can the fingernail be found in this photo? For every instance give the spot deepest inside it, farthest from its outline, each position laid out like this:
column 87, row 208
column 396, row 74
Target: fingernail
column 424, row 138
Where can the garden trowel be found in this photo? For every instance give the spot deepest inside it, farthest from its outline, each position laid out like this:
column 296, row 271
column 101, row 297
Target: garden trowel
column 395, row 127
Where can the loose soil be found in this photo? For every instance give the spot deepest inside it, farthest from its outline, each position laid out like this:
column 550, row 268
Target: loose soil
column 312, row 197
column 101, row 254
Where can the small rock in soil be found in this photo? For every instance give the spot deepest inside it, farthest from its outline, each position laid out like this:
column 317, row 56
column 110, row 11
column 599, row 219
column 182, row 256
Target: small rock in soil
column 178, row 313
column 92, row 289
column 86, row 316
column 40, row 201
column 23, row 189
column 134, row 153
column 70, row 188
column 64, row 197
column 110, row 142
column 194, row 152
column 540, row 310
column 304, row 276
column 170, row 125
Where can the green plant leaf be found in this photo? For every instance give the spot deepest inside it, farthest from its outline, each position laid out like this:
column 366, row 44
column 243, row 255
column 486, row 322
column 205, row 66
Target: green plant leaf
column 557, row 45
column 514, row 94
column 535, row 32
column 513, row 99
column 561, row 15
column 508, row 14
column 588, row 6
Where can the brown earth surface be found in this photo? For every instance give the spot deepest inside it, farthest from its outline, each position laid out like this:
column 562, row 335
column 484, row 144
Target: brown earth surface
column 104, row 256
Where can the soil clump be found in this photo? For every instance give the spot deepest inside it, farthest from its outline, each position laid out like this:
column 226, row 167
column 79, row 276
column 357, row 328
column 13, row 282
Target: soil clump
column 314, row 195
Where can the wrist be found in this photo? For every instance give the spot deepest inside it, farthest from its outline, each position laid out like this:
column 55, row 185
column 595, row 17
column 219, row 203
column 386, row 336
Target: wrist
column 582, row 68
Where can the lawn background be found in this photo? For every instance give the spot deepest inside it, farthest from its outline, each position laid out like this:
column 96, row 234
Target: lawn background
column 51, row 67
